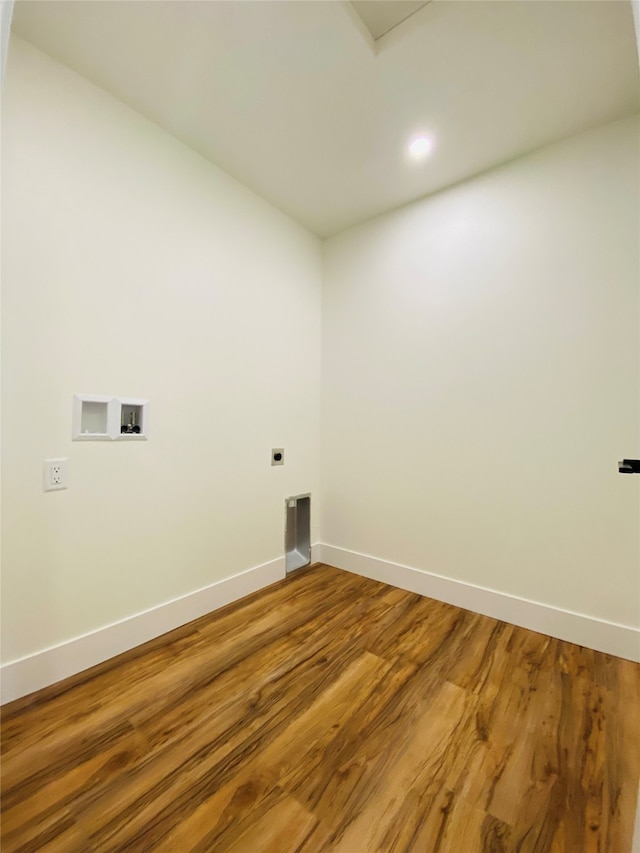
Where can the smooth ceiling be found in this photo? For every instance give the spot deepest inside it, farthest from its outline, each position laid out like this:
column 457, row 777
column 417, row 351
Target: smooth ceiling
column 381, row 16
column 289, row 97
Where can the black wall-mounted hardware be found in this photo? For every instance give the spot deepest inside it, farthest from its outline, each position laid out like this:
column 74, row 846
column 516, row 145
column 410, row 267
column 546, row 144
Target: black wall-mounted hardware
column 629, row 466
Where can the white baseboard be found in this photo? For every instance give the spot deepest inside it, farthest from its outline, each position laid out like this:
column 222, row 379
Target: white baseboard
column 610, row 637
column 21, row 677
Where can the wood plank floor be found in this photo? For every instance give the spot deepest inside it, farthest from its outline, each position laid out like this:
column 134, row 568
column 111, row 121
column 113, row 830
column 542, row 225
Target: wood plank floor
column 330, row 712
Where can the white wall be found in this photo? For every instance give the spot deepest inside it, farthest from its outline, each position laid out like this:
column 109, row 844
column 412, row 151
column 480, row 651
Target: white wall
column 480, row 369
column 635, row 4
column 132, row 266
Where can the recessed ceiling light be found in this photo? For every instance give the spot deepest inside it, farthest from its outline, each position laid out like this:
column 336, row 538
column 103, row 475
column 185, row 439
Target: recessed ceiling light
column 420, row 147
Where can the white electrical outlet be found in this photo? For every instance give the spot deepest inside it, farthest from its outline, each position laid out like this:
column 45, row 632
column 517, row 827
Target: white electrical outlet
column 56, row 474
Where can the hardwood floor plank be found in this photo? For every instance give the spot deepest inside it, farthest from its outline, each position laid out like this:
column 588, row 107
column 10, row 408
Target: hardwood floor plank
column 212, row 752
column 390, row 796
column 354, row 750
column 64, row 790
column 55, row 830
column 330, row 712
column 284, row 828
column 64, row 755
column 297, row 742
column 166, row 660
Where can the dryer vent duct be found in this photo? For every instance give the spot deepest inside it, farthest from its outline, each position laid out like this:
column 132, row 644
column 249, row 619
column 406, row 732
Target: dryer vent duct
column 297, row 537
